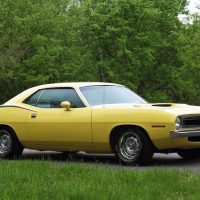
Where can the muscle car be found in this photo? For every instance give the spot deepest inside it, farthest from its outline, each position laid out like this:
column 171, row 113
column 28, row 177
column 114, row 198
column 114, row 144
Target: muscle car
column 97, row 118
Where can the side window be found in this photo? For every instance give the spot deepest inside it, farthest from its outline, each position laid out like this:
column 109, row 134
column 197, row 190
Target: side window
column 94, row 94
column 32, row 100
column 52, row 98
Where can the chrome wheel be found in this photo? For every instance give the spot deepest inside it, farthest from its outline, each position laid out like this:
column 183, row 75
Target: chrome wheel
column 5, row 143
column 130, row 145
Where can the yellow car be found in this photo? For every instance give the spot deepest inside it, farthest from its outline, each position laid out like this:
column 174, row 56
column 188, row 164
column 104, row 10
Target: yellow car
column 97, row 118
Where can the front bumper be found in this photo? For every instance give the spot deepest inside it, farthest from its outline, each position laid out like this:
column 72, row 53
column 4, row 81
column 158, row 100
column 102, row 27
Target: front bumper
column 188, row 133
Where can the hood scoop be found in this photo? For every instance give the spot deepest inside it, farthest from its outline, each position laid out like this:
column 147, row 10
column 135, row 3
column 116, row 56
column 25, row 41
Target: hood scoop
column 162, row 104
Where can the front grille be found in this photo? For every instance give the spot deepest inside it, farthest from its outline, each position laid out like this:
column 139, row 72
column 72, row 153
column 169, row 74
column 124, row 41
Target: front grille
column 191, row 122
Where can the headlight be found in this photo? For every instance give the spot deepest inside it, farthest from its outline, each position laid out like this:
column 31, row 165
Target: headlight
column 178, row 123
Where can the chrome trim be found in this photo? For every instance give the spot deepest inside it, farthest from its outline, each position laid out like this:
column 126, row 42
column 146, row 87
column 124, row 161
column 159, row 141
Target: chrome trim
column 130, row 145
column 189, row 133
column 38, row 97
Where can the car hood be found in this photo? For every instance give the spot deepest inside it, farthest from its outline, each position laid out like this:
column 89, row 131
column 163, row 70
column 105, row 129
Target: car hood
column 177, row 109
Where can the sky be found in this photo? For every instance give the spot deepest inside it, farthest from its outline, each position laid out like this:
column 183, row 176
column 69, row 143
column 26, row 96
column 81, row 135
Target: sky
column 192, row 6
column 192, row 9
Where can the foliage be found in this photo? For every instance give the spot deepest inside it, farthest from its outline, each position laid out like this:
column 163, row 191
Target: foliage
column 141, row 44
column 189, row 54
column 37, row 44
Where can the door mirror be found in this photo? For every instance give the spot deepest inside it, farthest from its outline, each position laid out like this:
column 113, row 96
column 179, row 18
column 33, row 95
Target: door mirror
column 65, row 104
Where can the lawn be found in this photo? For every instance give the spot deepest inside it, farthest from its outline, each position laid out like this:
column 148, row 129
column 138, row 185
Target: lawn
column 26, row 179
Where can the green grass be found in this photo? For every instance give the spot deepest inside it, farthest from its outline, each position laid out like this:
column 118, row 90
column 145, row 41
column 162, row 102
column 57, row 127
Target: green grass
column 49, row 180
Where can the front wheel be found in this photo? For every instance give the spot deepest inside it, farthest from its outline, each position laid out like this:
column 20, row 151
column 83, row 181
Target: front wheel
column 10, row 146
column 189, row 153
column 132, row 147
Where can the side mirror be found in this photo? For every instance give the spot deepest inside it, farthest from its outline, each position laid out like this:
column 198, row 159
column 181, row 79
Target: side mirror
column 65, row 104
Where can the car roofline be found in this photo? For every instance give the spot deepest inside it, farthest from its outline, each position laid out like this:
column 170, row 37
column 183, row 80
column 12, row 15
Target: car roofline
column 76, row 85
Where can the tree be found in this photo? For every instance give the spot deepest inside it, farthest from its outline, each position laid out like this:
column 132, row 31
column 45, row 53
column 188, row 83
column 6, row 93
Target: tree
column 139, row 43
column 134, row 42
column 37, row 44
column 188, row 75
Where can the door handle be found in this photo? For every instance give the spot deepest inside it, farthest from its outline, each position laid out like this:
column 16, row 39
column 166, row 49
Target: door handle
column 33, row 115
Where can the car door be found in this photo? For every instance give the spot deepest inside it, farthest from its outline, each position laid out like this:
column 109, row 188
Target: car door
column 52, row 125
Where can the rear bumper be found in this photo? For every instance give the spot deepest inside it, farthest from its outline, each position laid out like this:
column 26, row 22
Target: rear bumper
column 181, row 134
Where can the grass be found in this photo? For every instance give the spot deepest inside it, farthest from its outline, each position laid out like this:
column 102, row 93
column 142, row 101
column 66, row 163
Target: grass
column 49, row 180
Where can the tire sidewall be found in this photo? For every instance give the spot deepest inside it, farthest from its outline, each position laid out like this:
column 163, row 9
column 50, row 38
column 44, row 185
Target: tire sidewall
column 16, row 147
column 6, row 132
column 140, row 158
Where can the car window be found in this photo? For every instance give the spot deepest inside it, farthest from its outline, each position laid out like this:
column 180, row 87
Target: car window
column 100, row 95
column 32, row 100
column 52, row 98
column 94, row 94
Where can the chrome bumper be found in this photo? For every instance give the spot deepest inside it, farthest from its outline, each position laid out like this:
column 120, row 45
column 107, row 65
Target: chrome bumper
column 178, row 134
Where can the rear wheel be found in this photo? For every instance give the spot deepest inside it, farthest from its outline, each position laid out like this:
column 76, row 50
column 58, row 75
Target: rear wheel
column 10, row 146
column 189, row 153
column 132, row 147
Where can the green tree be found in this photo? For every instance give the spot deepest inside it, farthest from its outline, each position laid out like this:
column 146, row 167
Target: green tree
column 139, row 43
column 134, row 42
column 37, row 44
column 188, row 75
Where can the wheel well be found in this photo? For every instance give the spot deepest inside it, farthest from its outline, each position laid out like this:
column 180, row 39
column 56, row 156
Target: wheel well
column 118, row 129
column 3, row 126
column 9, row 128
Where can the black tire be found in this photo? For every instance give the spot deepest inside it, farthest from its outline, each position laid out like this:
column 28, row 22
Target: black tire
column 132, row 146
column 67, row 153
column 10, row 147
column 189, row 153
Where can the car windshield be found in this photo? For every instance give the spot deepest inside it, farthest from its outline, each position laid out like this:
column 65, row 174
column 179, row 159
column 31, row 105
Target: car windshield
column 110, row 94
